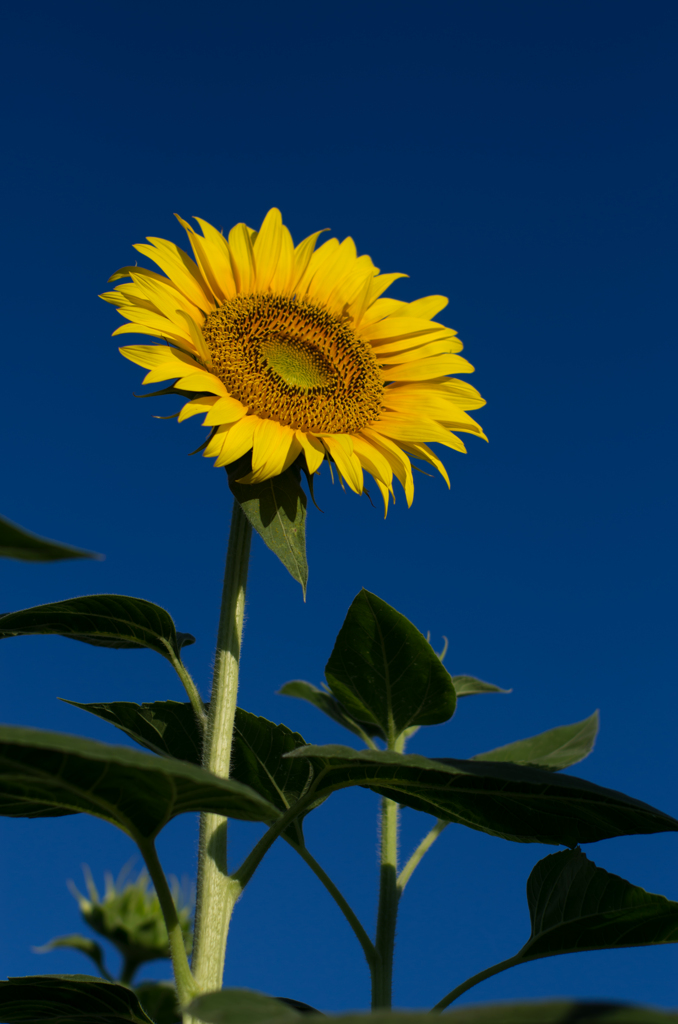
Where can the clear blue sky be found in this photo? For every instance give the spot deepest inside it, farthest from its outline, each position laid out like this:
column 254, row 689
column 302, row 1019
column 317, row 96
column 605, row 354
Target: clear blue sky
column 517, row 156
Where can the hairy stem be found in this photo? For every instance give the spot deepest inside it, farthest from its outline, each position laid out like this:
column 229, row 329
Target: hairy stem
column 216, row 892
column 475, row 980
column 388, row 906
column 184, row 980
column 190, row 688
column 424, row 846
column 358, row 930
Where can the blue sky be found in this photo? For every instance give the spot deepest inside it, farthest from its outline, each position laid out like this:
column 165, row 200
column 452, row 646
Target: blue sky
column 518, row 157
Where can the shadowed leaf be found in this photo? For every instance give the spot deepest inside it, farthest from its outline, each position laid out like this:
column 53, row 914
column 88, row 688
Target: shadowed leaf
column 241, row 1006
column 276, row 509
column 16, row 542
column 46, row 774
column 466, row 686
column 159, row 1000
column 555, row 749
column 329, row 705
column 526, row 805
column 558, row 1011
column 576, row 906
column 105, row 620
column 259, row 746
column 68, row 999
column 384, row 672
column 166, row 727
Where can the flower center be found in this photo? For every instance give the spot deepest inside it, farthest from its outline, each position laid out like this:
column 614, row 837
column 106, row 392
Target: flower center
column 289, row 360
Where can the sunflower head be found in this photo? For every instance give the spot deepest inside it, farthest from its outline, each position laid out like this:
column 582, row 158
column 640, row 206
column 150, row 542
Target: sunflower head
column 292, row 351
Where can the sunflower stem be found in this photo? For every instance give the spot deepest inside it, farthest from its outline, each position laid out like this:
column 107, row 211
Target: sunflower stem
column 216, row 891
column 389, row 897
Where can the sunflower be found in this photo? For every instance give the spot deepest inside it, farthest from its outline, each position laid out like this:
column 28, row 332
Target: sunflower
column 293, row 351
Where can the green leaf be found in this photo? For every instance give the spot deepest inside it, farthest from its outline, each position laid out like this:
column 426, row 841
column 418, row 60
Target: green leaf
column 259, row 746
column 276, row 509
column 84, row 945
column 105, row 620
column 240, row 1006
column 159, row 1000
column 555, row 749
column 385, row 672
column 166, row 727
column 68, row 999
column 525, row 805
column 557, row 1011
column 47, row 774
column 259, row 749
column 466, row 686
column 576, row 906
column 329, row 705
column 16, row 542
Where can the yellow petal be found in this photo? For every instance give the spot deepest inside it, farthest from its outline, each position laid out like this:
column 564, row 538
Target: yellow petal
column 406, row 428
column 422, row 451
column 152, row 357
column 197, row 338
column 218, row 253
column 280, row 282
column 424, row 369
column 393, row 328
column 380, row 284
column 267, row 248
column 225, row 410
column 333, row 270
column 427, row 307
column 302, row 256
column 385, row 492
column 235, row 441
column 180, row 269
column 202, row 381
column 313, row 450
column 340, row 447
column 382, row 308
column 274, row 449
column 398, row 460
column 242, row 257
column 372, row 460
column 196, row 406
column 201, row 253
column 152, row 331
column 424, row 350
column 318, row 257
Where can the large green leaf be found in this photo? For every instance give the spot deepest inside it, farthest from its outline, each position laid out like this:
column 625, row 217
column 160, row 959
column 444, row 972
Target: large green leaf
column 241, row 1006
column 166, row 727
column 46, row 774
column 159, row 1000
column 576, row 906
column 385, row 672
column 276, row 509
column 329, row 705
column 259, row 746
column 466, row 686
column 105, row 620
column 526, row 805
column 558, row 1011
column 68, row 999
column 555, row 749
column 16, row 542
